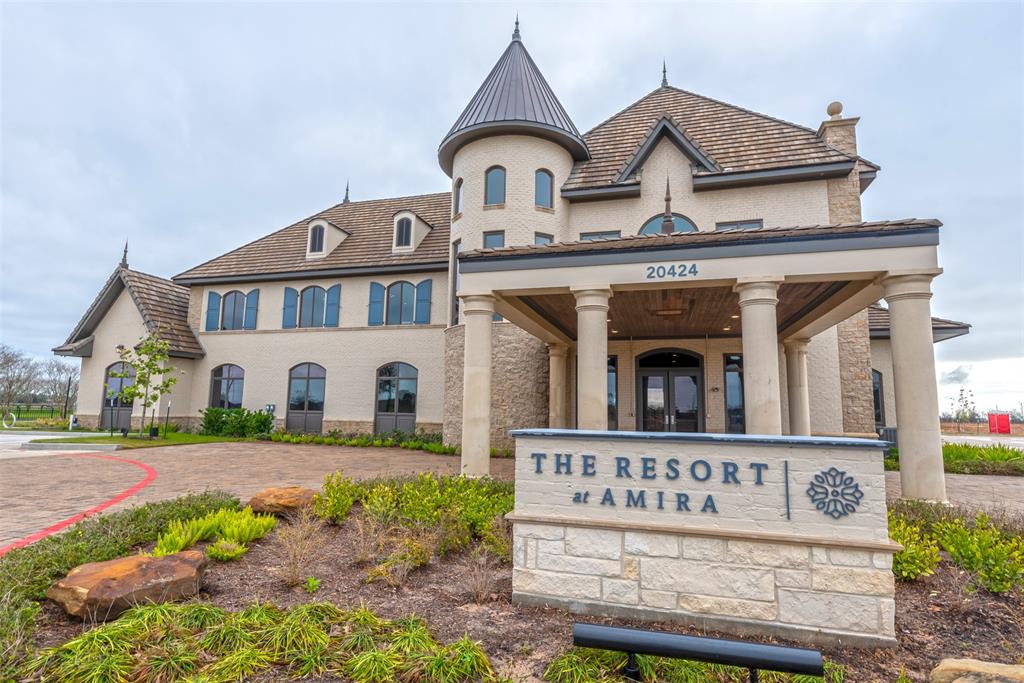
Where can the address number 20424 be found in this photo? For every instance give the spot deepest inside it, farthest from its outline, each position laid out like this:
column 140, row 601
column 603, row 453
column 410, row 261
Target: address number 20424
column 674, row 270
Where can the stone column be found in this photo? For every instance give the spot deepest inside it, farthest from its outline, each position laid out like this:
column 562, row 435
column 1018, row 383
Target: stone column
column 592, row 357
column 796, row 382
column 477, row 311
column 556, row 385
column 762, row 401
column 917, row 396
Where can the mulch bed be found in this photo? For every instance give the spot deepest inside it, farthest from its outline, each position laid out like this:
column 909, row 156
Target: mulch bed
column 936, row 618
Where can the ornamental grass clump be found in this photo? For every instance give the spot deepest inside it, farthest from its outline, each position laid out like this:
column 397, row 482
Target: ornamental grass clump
column 198, row 642
column 233, row 529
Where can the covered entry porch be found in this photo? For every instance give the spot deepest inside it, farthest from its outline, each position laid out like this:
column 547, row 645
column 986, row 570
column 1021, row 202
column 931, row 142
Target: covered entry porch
column 705, row 332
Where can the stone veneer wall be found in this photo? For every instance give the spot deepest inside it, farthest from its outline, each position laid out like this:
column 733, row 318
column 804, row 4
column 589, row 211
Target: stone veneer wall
column 816, row 593
column 519, row 383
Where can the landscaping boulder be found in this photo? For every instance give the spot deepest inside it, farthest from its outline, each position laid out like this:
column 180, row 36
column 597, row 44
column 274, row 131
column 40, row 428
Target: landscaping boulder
column 281, row 500
column 102, row 590
column 975, row 671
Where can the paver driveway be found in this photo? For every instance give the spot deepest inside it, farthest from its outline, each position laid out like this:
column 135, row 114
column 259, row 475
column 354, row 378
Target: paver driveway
column 38, row 492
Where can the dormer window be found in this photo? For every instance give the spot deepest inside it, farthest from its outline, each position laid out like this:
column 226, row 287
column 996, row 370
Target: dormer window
column 403, row 233
column 322, row 238
column 316, row 239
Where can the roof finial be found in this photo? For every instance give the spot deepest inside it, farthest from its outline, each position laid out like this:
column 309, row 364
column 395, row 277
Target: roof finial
column 515, row 34
column 667, row 224
column 124, row 256
column 664, row 74
column 345, row 200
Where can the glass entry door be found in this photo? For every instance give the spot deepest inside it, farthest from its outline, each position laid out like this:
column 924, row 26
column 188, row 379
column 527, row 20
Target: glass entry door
column 670, row 401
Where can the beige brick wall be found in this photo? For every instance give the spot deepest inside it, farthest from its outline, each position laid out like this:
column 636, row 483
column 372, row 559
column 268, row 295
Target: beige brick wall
column 519, row 383
column 121, row 325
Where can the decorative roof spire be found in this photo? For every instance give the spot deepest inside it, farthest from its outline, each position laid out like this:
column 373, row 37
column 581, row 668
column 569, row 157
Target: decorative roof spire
column 346, row 199
column 667, row 225
column 515, row 33
column 124, row 257
column 664, row 74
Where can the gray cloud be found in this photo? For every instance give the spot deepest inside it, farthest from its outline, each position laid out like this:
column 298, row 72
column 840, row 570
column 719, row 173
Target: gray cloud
column 958, row 375
column 191, row 128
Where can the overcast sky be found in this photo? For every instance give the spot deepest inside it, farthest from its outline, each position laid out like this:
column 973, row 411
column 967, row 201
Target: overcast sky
column 191, row 128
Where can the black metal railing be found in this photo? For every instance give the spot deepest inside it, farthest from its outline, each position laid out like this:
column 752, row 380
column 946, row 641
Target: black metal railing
column 753, row 656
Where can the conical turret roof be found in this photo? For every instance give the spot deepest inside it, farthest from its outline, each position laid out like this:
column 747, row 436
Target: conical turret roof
column 514, row 98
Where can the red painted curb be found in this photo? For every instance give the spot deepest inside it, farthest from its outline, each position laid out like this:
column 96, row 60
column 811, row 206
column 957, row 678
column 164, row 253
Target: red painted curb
column 65, row 523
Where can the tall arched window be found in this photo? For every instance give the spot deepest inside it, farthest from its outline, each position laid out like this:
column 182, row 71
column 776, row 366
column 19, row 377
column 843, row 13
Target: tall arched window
column 396, row 398
column 307, row 384
column 494, row 185
column 312, row 305
column 403, row 232
column 680, row 223
column 544, row 184
column 457, row 197
column 401, row 303
column 316, row 239
column 226, row 386
column 878, row 397
column 232, row 316
column 117, row 413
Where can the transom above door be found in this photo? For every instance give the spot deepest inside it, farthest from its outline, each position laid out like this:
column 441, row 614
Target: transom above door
column 670, row 392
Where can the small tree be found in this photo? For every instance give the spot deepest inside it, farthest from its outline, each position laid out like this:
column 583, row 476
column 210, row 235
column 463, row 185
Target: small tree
column 153, row 377
column 17, row 374
column 58, row 384
column 964, row 409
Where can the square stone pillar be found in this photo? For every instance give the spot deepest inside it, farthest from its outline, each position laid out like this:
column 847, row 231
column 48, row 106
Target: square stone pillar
column 917, row 395
column 762, row 401
column 477, row 311
column 796, row 382
column 592, row 357
column 557, row 354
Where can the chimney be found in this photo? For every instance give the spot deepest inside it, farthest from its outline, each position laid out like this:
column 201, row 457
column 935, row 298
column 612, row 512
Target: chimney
column 839, row 132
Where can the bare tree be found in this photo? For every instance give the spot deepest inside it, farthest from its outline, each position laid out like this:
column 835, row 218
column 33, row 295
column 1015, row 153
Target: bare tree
column 17, row 375
column 58, row 383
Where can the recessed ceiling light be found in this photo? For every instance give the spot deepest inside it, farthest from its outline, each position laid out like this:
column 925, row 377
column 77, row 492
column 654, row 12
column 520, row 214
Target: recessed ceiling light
column 734, row 317
column 726, row 329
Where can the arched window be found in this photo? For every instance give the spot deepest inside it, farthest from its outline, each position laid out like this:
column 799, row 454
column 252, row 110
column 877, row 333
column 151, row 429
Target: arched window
column 312, row 304
column 401, row 303
column 403, row 232
column 878, row 396
column 232, row 316
column 117, row 413
column 544, row 184
column 457, row 197
column 226, row 386
column 316, row 239
column 680, row 223
column 307, row 383
column 494, row 185
column 396, row 398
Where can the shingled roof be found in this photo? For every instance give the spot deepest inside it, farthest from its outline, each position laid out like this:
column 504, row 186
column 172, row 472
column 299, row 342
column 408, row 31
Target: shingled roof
column 370, row 229
column 162, row 304
column 515, row 97
column 879, row 325
column 708, row 238
column 736, row 140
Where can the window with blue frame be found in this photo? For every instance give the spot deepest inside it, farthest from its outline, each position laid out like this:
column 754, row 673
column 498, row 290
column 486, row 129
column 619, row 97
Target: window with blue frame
column 494, row 240
column 400, row 303
column 680, row 223
column 314, row 306
column 544, row 184
column 494, row 185
column 232, row 311
column 542, row 238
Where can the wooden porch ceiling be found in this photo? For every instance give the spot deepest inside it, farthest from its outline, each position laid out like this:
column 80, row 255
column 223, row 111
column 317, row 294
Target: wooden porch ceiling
column 679, row 313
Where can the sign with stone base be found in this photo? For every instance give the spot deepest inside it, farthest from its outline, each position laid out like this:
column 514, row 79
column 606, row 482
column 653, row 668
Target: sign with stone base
column 745, row 534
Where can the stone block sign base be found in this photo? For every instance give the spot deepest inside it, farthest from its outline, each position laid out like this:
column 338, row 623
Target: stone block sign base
column 749, row 535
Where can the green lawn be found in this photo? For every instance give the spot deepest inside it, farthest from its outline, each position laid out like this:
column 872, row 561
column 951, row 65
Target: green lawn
column 135, row 441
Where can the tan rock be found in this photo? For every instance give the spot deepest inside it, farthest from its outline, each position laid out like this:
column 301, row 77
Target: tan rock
column 102, row 590
column 975, row 671
column 281, row 500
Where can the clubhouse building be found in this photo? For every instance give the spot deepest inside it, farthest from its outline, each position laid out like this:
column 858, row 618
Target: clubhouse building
column 685, row 266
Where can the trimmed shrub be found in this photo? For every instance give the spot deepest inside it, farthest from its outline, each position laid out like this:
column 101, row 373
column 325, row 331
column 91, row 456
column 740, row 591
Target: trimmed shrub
column 920, row 554
column 236, row 422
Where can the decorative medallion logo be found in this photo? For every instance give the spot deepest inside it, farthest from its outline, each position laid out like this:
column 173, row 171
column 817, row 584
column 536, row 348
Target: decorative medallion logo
column 834, row 493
